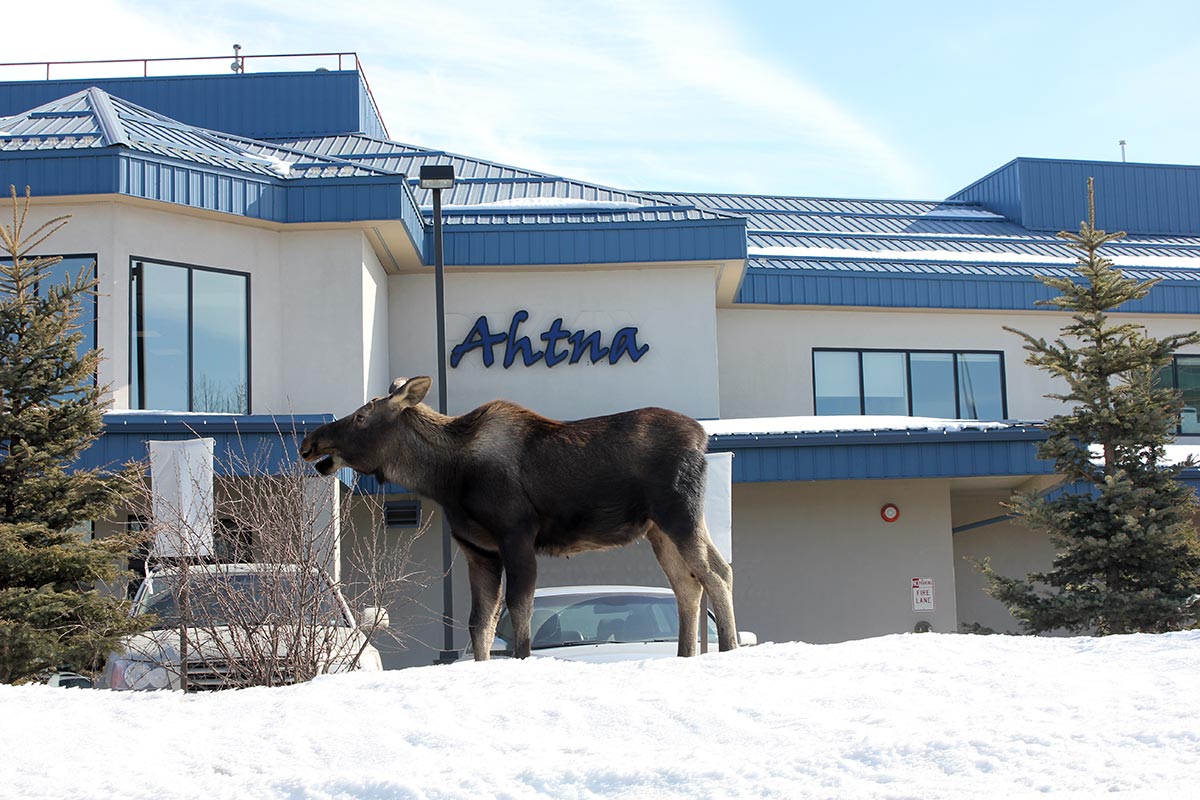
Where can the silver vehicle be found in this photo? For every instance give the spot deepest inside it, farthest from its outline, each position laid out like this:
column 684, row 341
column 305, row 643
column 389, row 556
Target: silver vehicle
column 241, row 625
column 604, row 623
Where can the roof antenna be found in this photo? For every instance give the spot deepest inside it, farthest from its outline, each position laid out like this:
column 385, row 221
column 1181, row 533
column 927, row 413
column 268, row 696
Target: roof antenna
column 239, row 66
column 1122, row 143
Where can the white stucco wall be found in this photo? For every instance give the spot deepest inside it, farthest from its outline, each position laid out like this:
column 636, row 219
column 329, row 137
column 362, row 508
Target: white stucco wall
column 674, row 311
column 318, row 298
column 765, row 353
column 376, row 345
column 1014, row 551
column 815, row 561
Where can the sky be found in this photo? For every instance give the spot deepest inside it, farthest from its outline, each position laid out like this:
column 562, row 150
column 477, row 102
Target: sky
column 929, row 716
column 872, row 99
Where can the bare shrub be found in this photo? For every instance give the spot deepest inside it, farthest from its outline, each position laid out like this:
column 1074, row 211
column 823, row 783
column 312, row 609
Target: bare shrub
column 299, row 584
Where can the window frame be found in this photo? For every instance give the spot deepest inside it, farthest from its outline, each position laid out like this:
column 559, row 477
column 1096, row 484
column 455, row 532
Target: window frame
column 908, row 353
column 136, row 322
column 95, row 296
column 1173, row 371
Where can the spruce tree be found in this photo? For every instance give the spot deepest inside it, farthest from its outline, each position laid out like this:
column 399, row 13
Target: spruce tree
column 1127, row 558
column 50, row 411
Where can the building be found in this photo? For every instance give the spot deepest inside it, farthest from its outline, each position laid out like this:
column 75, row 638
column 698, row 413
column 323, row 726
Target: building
column 264, row 255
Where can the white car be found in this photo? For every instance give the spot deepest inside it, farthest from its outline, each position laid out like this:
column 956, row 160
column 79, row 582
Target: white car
column 247, row 624
column 603, row 623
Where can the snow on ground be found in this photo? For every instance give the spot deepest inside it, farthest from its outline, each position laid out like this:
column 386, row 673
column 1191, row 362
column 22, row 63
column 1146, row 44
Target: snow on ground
column 907, row 716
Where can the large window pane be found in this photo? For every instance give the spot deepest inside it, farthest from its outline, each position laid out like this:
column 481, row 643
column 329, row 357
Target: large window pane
column 980, row 391
column 885, row 384
column 66, row 271
column 161, row 337
column 835, row 377
column 190, row 339
column 219, row 369
column 933, row 385
column 1188, row 370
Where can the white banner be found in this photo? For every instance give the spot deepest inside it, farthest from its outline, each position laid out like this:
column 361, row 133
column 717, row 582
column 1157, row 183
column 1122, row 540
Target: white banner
column 182, row 498
column 718, row 502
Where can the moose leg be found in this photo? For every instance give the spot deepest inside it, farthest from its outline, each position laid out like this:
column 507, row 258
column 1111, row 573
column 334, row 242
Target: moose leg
column 520, row 577
column 483, row 572
column 718, row 582
column 683, row 582
column 716, row 575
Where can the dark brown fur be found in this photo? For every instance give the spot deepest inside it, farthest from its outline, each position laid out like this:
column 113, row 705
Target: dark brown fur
column 513, row 484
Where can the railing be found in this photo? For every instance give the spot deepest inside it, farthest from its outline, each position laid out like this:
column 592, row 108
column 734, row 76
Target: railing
column 237, row 59
column 238, row 64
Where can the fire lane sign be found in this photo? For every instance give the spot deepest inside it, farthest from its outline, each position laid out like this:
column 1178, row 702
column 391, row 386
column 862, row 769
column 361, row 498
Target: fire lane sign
column 922, row 593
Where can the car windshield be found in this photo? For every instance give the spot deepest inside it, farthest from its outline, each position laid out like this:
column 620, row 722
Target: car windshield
column 565, row 620
column 241, row 598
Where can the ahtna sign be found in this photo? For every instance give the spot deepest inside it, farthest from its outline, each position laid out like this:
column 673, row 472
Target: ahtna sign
column 562, row 344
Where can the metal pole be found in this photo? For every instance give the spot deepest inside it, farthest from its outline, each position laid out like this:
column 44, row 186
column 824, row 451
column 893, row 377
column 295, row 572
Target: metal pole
column 448, row 653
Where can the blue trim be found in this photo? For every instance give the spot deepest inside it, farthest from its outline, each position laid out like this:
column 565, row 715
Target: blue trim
column 574, row 243
column 117, row 170
column 884, row 455
column 769, row 286
column 251, row 444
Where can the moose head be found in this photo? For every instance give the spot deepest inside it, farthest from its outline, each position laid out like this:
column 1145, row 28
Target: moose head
column 361, row 440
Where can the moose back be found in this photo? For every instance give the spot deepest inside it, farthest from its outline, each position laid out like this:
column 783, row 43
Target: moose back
column 513, row 484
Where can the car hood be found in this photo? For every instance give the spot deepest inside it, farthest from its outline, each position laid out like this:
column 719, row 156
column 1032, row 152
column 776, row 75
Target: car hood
column 217, row 643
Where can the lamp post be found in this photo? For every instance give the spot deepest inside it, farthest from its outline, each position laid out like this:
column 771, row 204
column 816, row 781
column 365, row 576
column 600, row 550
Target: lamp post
column 437, row 177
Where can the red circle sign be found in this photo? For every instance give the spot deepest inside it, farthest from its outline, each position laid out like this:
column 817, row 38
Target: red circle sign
column 890, row 512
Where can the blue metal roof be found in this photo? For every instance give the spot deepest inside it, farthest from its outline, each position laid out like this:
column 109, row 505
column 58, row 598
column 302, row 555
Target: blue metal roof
column 259, row 106
column 252, row 444
column 91, row 118
column 927, row 254
column 1051, row 194
column 497, row 215
column 912, row 285
column 884, row 455
column 93, row 143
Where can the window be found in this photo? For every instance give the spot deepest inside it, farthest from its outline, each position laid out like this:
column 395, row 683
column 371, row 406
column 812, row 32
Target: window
column 67, row 270
column 1184, row 374
column 946, row 385
column 190, row 338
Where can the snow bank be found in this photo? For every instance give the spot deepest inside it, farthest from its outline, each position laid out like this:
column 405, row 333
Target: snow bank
column 908, row 716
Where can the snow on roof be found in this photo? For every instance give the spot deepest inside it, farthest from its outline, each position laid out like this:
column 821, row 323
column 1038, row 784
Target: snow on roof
column 958, row 256
column 1175, row 453
column 537, row 203
column 767, row 426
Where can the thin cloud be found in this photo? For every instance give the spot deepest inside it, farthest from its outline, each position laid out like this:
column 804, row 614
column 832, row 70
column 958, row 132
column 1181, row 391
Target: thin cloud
column 646, row 95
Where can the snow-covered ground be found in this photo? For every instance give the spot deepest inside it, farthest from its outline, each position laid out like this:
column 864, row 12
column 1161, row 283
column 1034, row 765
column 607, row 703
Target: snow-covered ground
column 908, row 716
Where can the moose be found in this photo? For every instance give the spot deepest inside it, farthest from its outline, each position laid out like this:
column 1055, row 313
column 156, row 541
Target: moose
column 513, row 484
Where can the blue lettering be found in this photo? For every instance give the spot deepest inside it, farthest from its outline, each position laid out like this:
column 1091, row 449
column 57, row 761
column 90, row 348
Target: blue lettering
column 520, row 344
column 580, row 343
column 625, row 343
column 562, row 344
column 552, row 337
column 479, row 337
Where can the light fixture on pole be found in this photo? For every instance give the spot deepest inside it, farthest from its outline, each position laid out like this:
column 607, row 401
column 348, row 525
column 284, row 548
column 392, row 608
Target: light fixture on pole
column 436, row 178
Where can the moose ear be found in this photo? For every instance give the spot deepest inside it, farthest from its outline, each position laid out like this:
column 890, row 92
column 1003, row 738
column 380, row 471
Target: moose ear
column 406, row 392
